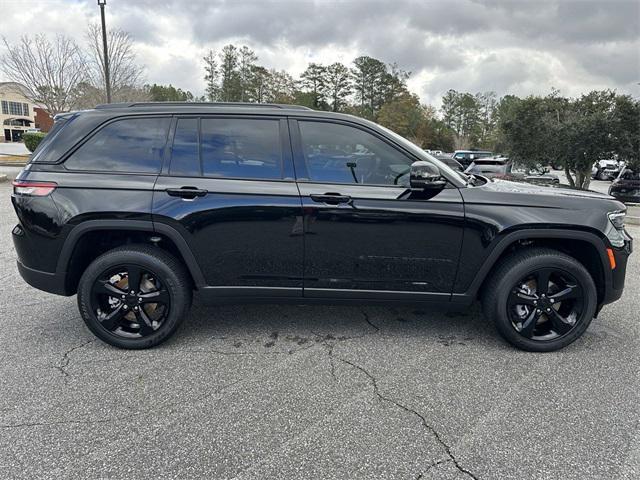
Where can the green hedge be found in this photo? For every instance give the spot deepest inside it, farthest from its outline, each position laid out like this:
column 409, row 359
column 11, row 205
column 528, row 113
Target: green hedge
column 32, row 139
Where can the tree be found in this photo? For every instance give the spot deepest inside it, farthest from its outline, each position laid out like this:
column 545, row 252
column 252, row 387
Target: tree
column 51, row 71
column 314, row 80
column 487, row 105
column 280, row 87
column 338, row 83
column 257, row 88
column 626, row 130
column 125, row 74
column 368, row 78
column 168, row 93
column 85, row 96
column 246, row 63
column 404, row 115
column 229, row 78
column 212, row 90
column 461, row 112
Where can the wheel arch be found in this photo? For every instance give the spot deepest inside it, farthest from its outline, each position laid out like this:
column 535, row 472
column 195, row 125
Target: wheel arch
column 586, row 247
column 90, row 239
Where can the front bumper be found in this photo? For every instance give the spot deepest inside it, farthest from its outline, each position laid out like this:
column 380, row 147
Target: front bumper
column 615, row 286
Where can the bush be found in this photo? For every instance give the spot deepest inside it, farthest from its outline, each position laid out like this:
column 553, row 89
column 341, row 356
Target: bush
column 32, row 139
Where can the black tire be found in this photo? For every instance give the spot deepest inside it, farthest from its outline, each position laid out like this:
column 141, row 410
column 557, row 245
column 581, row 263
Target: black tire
column 602, row 176
column 153, row 266
column 504, row 285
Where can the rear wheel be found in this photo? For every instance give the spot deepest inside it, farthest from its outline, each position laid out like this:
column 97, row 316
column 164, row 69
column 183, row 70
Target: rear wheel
column 540, row 299
column 134, row 297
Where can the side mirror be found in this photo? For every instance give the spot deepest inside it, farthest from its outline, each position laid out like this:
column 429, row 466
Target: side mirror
column 425, row 176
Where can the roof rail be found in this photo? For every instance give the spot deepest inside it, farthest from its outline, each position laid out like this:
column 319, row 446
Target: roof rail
column 200, row 104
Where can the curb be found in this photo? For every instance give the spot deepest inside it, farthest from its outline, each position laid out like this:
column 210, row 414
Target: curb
column 633, row 215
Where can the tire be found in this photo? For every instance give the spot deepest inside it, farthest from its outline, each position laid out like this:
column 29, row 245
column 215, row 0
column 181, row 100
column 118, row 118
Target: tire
column 602, row 176
column 159, row 309
column 505, row 284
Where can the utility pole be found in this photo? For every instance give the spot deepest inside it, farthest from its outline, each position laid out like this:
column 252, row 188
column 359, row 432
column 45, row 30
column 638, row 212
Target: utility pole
column 102, row 4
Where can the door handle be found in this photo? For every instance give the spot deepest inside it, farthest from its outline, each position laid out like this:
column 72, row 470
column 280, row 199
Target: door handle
column 186, row 192
column 330, row 198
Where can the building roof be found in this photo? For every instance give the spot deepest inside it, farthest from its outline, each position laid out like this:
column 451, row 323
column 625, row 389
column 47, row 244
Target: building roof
column 15, row 87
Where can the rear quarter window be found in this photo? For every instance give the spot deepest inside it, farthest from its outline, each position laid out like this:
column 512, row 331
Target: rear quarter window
column 132, row 145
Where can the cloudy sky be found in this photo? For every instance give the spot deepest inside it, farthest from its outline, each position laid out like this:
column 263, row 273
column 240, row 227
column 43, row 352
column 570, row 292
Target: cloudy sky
column 517, row 47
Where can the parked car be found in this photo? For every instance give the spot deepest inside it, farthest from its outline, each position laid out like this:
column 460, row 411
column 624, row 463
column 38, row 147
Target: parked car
column 540, row 175
column 450, row 161
column 626, row 187
column 135, row 206
column 605, row 170
column 490, row 166
column 504, row 169
column 466, row 157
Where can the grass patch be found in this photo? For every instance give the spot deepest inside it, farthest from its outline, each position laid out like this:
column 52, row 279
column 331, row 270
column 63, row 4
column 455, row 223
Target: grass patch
column 17, row 159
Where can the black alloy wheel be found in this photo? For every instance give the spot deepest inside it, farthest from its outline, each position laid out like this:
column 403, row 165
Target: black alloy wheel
column 134, row 296
column 130, row 301
column 546, row 304
column 540, row 299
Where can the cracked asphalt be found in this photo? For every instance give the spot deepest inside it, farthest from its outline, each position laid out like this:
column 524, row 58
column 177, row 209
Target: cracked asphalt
column 275, row 392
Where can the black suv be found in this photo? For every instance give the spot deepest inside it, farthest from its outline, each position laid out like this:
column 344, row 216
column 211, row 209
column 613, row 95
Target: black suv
column 136, row 206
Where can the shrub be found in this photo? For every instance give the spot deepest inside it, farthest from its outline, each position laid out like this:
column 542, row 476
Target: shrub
column 32, row 139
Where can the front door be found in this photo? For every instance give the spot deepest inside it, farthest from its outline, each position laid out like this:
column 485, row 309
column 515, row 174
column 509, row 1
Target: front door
column 366, row 234
column 229, row 191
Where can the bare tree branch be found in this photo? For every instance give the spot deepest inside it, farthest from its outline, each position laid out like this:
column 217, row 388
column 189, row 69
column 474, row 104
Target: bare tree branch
column 126, row 75
column 49, row 70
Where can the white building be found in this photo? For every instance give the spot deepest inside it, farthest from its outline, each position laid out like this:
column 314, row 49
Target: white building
column 17, row 114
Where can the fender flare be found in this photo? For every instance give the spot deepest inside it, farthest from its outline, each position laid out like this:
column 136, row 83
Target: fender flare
column 551, row 233
column 139, row 225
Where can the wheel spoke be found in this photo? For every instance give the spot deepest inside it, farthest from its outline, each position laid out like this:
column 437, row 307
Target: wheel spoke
column 158, row 296
column 560, row 324
column 103, row 287
column 134, row 275
column 518, row 297
column 529, row 325
column 542, row 281
column 144, row 321
column 112, row 320
column 568, row 293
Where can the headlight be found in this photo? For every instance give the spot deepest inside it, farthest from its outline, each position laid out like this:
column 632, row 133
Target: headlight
column 615, row 229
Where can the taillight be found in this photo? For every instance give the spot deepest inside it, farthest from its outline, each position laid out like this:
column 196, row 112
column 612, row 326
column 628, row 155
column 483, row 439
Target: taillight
column 34, row 189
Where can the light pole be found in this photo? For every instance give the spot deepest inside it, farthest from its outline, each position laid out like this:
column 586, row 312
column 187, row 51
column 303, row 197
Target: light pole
column 102, row 3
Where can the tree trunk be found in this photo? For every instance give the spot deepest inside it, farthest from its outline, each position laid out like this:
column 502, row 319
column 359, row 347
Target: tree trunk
column 567, row 172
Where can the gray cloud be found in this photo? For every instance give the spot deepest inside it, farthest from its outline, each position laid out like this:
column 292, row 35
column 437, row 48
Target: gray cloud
column 507, row 46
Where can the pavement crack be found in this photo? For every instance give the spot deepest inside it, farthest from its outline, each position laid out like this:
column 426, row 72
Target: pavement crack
column 64, row 362
column 431, row 429
column 366, row 319
column 433, row 464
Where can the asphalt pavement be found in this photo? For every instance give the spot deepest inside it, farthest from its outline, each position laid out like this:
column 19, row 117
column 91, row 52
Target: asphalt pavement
column 287, row 392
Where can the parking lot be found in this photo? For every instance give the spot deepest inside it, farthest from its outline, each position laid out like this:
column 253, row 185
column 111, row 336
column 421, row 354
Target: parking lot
column 313, row 392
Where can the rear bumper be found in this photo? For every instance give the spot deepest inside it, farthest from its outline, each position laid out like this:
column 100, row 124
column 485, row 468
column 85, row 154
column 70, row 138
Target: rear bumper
column 49, row 282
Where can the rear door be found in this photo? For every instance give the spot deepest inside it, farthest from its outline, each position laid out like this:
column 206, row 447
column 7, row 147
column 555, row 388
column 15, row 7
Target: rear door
column 229, row 191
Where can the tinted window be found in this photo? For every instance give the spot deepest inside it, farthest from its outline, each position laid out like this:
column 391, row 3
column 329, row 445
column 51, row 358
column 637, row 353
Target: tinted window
column 241, row 148
column 344, row 154
column 185, row 159
column 128, row 145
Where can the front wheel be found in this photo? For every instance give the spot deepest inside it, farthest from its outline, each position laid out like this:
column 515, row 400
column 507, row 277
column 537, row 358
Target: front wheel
column 540, row 300
column 134, row 297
